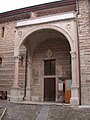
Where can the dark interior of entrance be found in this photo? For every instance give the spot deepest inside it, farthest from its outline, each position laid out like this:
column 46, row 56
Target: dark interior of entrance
column 51, row 60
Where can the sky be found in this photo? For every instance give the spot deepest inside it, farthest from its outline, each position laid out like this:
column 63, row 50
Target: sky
column 8, row 5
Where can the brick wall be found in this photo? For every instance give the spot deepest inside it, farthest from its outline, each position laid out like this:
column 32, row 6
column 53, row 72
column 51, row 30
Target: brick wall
column 6, row 52
column 7, row 47
column 84, row 42
column 7, row 55
column 57, row 10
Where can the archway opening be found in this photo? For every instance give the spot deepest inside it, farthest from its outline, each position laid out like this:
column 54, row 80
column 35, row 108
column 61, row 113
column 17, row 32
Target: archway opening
column 49, row 51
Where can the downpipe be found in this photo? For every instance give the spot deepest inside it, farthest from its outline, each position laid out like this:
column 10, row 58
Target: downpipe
column 25, row 85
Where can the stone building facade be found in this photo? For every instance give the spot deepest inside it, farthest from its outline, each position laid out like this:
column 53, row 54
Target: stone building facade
column 45, row 51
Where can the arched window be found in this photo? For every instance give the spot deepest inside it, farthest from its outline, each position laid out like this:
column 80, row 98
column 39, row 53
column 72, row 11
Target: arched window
column 0, row 61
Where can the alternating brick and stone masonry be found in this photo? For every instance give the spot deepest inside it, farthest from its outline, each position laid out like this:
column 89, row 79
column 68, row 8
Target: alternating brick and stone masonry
column 57, row 34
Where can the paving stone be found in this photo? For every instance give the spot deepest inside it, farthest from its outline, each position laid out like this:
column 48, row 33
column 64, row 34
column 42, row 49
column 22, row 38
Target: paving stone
column 19, row 111
column 48, row 112
column 68, row 113
column 44, row 113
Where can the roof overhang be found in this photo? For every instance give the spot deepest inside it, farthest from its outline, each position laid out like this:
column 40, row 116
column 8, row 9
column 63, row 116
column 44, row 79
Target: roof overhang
column 38, row 7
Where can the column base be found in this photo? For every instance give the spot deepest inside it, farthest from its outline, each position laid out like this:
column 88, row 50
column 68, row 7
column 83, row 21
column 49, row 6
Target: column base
column 36, row 98
column 28, row 94
column 74, row 101
column 15, row 95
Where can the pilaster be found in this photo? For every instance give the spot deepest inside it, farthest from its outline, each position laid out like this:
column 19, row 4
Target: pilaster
column 29, row 77
column 15, row 90
column 74, row 101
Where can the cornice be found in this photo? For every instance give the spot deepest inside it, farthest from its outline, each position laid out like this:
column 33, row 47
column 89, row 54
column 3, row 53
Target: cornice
column 37, row 7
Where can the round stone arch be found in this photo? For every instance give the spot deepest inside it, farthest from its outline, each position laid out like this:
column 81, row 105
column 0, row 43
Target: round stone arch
column 53, row 27
column 74, row 88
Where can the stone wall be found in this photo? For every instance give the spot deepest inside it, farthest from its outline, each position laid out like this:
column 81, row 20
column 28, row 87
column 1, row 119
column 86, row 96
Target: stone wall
column 84, row 43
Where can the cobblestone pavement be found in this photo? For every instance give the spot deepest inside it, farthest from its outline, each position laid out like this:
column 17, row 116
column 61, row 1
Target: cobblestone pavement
column 56, row 112
column 68, row 113
column 19, row 111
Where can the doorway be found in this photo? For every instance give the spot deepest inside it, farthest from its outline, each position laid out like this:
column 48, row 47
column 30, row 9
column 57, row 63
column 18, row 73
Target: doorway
column 49, row 89
column 49, row 81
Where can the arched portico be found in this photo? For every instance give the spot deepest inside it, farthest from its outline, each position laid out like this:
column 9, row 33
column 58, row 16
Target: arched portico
column 54, row 30
column 44, row 27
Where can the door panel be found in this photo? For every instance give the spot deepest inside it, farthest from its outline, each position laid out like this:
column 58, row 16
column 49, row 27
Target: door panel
column 49, row 89
column 46, row 89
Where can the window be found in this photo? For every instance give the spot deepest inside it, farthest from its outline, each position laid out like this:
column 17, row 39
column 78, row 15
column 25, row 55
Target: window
column 49, row 67
column 0, row 61
column 3, row 30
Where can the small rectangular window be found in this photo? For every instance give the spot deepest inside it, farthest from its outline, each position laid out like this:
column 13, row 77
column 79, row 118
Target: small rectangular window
column 0, row 61
column 3, row 30
column 52, row 67
column 49, row 67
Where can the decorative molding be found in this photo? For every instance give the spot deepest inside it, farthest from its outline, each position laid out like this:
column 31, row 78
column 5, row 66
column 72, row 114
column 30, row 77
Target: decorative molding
column 20, row 33
column 68, row 26
column 49, row 53
column 29, row 63
column 73, row 54
column 57, row 17
column 16, row 58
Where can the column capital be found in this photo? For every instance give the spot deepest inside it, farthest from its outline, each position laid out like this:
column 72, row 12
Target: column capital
column 16, row 58
column 73, row 54
column 74, row 86
column 29, row 64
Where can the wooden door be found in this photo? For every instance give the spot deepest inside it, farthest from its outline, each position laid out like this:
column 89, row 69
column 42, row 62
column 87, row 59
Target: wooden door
column 49, row 89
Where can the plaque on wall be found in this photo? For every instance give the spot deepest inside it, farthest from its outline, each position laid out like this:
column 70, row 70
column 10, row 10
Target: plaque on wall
column 60, row 86
column 49, row 53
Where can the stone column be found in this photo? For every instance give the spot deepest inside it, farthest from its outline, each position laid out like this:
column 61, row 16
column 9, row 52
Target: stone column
column 74, row 87
column 29, row 78
column 15, row 90
column 16, row 72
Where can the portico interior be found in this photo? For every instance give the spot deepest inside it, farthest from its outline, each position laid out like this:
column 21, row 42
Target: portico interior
column 50, row 61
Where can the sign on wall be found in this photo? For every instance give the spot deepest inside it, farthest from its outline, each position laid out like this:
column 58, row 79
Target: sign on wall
column 60, row 86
